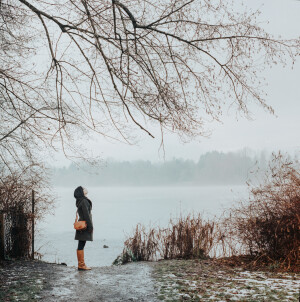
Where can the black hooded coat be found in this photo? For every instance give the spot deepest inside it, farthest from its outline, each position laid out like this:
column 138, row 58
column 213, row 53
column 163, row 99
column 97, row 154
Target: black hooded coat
column 84, row 208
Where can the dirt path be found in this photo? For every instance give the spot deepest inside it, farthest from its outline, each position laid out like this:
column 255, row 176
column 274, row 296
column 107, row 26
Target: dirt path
column 39, row 281
column 132, row 282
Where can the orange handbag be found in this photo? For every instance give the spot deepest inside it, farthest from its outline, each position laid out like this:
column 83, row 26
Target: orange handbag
column 79, row 225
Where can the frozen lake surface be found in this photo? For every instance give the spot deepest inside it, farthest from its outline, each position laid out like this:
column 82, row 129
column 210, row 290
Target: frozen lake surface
column 116, row 212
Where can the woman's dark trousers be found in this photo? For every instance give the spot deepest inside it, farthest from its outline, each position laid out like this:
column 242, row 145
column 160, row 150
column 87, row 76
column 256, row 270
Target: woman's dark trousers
column 81, row 245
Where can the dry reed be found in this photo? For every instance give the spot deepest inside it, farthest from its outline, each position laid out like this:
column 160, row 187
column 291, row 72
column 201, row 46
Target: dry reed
column 184, row 238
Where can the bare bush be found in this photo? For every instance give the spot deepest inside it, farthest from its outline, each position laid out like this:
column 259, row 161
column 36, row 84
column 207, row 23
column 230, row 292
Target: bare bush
column 267, row 226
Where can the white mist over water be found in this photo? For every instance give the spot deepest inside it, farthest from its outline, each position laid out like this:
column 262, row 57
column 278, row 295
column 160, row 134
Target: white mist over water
column 116, row 212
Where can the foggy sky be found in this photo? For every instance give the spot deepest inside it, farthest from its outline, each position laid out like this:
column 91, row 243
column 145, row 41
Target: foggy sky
column 265, row 132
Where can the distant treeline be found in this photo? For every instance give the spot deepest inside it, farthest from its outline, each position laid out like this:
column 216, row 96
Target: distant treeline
column 212, row 168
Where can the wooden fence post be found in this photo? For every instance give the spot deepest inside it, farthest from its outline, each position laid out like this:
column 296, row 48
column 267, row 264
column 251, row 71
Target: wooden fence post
column 32, row 225
column 2, row 236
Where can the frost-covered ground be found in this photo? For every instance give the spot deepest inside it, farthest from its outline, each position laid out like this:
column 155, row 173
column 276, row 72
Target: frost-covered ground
column 24, row 280
column 207, row 280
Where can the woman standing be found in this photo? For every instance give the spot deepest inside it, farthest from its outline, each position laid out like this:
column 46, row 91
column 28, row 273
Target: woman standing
column 84, row 207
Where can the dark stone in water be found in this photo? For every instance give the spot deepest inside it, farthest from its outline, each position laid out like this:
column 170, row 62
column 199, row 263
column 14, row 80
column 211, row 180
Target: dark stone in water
column 105, row 246
column 63, row 264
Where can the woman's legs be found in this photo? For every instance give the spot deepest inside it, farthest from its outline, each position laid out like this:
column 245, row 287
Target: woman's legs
column 81, row 244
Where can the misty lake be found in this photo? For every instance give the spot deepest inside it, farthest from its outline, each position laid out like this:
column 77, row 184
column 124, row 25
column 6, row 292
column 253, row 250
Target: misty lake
column 116, row 212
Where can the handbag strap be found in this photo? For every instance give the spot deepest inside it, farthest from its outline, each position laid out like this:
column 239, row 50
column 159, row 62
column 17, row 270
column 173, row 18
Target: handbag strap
column 76, row 219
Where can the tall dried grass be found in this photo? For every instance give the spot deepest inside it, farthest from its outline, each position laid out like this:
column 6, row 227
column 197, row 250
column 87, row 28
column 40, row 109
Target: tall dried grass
column 184, row 238
column 188, row 237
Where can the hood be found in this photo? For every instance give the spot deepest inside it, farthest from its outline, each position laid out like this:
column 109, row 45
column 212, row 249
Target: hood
column 79, row 195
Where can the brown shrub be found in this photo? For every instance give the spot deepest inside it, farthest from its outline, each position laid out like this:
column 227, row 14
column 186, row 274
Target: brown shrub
column 268, row 224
